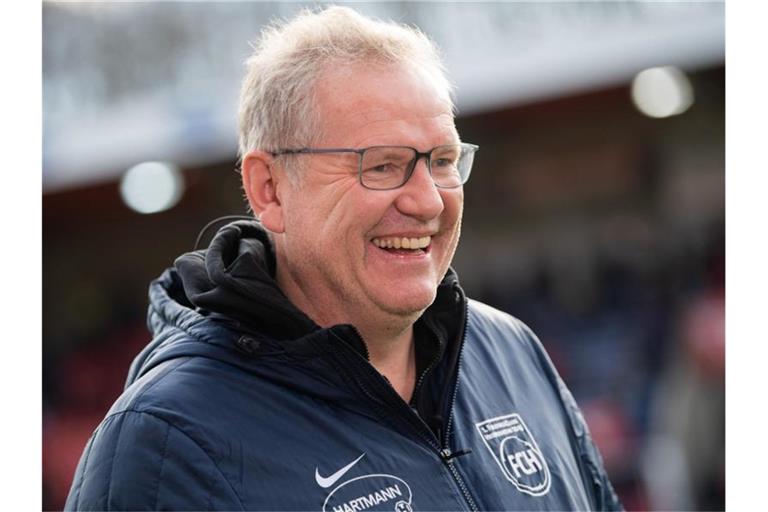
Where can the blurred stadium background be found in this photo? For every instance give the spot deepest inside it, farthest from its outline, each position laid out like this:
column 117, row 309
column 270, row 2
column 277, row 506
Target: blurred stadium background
column 595, row 212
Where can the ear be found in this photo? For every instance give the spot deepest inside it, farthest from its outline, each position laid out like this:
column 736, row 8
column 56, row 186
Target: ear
column 261, row 188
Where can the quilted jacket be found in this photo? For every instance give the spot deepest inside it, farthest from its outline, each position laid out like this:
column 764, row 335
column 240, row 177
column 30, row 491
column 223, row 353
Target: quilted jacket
column 241, row 402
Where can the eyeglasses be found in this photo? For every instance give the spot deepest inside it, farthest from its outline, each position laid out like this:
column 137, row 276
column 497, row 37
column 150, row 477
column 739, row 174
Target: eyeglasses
column 390, row 167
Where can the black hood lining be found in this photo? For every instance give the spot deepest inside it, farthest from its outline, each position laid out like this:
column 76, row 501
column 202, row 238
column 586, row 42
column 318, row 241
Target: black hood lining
column 234, row 278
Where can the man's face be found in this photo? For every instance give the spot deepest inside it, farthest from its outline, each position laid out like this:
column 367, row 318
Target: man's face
column 334, row 227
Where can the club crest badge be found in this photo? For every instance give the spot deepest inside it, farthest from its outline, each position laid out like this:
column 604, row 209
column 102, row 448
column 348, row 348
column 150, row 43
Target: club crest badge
column 515, row 450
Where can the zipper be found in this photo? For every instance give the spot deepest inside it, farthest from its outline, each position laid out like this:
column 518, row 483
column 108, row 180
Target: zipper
column 458, row 374
column 426, row 371
column 446, row 453
column 395, row 404
column 362, row 343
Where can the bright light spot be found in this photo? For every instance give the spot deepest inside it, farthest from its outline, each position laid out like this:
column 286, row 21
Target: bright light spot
column 152, row 187
column 662, row 92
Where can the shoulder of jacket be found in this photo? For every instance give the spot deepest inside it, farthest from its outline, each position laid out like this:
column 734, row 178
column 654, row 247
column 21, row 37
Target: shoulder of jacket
column 139, row 388
column 485, row 320
column 489, row 313
column 136, row 460
column 182, row 387
column 497, row 336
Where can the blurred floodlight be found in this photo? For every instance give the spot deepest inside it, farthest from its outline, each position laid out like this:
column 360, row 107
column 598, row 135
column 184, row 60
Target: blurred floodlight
column 152, row 187
column 662, row 92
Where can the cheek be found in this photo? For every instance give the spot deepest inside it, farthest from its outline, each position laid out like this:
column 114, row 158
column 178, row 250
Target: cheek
column 452, row 216
column 336, row 232
column 362, row 210
column 341, row 203
column 453, row 201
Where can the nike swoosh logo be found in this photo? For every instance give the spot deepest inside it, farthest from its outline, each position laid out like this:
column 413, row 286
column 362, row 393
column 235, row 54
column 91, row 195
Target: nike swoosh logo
column 329, row 481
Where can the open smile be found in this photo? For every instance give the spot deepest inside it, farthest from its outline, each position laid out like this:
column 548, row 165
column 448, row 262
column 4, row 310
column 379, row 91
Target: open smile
column 405, row 246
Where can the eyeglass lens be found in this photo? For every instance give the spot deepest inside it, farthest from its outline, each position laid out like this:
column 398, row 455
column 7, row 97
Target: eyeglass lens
column 388, row 167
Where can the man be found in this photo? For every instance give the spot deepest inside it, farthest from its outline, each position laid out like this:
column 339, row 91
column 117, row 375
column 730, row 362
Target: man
column 326, row 358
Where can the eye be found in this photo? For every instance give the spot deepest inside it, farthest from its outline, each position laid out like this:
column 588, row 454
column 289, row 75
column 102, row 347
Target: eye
column 444, row 162
column 381, row 168
column 445, row 157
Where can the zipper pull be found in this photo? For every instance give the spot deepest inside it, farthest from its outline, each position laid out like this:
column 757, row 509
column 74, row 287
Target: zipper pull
column 448, row 456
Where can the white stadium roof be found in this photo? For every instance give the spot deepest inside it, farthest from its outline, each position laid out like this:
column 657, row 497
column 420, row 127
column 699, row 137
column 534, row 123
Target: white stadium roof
column 126, row 82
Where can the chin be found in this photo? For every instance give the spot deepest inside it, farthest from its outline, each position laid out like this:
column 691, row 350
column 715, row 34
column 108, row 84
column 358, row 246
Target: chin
column 409, row 304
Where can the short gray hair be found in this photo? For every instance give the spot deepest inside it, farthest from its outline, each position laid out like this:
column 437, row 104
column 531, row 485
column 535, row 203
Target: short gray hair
column 276, row 102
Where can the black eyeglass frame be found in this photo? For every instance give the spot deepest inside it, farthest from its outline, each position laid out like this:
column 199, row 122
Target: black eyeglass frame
column 465, row 146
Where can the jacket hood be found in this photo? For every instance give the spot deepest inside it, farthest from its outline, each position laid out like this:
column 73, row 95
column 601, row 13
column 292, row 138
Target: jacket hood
column 234, row 277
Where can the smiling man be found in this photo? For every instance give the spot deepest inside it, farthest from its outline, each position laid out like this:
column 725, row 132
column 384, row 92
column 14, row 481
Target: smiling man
column 325, row 357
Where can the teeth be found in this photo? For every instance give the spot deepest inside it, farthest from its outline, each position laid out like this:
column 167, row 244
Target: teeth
column 403, row 242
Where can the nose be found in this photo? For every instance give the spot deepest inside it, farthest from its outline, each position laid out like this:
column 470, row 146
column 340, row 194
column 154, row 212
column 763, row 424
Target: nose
column 419, row 197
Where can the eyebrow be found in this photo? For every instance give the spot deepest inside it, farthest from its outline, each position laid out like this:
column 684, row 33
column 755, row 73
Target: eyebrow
column 390, row 150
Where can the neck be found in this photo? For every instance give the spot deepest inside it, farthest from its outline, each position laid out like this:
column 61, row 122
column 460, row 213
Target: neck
column 395, row 358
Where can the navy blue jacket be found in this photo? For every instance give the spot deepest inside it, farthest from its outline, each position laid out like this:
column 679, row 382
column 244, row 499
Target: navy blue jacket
column 221, row 412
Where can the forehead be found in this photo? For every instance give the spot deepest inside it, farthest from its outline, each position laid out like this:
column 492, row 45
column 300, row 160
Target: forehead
column 367, row 103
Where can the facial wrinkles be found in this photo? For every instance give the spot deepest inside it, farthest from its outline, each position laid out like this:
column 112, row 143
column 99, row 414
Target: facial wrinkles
column 332, row 173
column 339, row 182
column 372, row 114
column 309, row 268
column 374, row 130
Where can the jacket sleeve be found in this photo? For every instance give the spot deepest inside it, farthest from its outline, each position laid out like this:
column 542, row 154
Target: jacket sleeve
column 592, row 463
column 138, row 461
column 605, row 496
